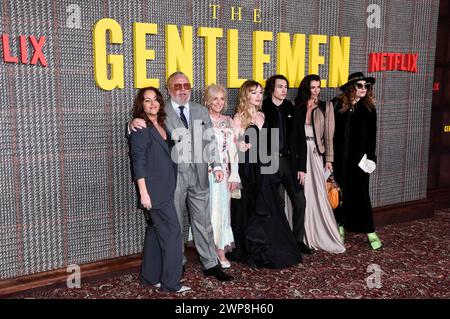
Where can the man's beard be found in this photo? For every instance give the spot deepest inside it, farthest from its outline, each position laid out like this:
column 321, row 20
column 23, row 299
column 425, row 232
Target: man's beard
column 178, row 101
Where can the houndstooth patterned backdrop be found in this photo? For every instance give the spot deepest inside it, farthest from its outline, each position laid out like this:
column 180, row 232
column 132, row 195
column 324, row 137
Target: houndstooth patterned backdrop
column 66, row 194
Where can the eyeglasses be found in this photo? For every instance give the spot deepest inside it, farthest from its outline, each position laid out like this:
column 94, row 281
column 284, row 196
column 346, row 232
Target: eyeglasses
column 180, row 86
column 361, row 86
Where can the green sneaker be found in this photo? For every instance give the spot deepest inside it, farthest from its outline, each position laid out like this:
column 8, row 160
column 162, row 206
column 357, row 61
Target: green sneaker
column 342, row 232
column 375, row 242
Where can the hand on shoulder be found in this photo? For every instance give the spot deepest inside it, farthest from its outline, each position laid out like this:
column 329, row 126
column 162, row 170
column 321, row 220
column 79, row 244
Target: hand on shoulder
column 137, row 124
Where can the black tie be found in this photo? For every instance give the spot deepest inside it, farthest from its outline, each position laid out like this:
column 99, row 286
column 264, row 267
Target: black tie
column 182, row 116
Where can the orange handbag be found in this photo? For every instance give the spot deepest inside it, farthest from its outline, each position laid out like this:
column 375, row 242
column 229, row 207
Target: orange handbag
column 334, row 193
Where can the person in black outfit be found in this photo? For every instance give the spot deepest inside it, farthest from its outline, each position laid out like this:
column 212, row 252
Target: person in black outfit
column 354, row 143
column 263, row 238
column 279, row 114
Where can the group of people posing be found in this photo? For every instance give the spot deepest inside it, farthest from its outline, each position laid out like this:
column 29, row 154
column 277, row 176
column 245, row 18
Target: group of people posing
column 233, row 194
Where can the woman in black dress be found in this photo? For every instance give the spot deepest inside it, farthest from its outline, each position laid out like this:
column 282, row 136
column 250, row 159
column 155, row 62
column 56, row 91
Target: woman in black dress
column 354, row 143
column 263, row 237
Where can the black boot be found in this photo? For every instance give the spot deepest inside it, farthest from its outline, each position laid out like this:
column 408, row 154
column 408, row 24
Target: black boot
column 305, row 249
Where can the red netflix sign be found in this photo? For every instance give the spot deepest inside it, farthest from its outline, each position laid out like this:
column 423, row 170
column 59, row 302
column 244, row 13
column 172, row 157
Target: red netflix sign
column 393, row 62
column 37, row 45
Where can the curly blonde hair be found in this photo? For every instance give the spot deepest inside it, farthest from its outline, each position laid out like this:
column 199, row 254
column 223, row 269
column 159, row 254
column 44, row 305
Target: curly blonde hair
column 243, row 109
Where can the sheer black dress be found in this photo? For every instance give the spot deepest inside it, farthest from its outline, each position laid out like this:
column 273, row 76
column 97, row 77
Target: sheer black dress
column 262, row 234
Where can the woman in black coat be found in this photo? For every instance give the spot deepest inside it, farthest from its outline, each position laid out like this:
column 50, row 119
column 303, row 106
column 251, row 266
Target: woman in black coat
column 354, row 154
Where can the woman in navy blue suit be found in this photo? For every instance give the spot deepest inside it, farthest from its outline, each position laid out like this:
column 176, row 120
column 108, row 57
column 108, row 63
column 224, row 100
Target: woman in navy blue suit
column 155, row 174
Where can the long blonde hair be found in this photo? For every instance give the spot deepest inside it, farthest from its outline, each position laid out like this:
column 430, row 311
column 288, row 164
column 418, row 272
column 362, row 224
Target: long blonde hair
column 243, row 109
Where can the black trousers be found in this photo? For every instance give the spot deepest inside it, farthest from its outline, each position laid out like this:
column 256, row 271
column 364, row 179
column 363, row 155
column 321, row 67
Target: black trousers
column 163, row 258
column 297, row 197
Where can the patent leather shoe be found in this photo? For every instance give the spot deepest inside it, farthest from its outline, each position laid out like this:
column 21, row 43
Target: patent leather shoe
column 217, row 273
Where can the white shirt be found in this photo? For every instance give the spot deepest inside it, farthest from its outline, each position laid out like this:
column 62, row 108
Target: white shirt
column 186, row 112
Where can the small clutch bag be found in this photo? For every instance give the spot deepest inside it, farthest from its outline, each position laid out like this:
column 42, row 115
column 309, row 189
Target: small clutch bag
column 236, row 193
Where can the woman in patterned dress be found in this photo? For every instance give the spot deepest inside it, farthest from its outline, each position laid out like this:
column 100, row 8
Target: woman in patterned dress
column 215, row 99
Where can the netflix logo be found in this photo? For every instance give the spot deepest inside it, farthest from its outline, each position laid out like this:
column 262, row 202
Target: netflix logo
column 406, row 62
column 36, row 44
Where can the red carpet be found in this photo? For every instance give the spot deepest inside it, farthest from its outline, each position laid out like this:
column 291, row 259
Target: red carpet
column 415, row 263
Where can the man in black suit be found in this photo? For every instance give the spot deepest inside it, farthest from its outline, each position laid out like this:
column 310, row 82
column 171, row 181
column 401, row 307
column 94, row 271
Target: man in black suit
column 291, row 149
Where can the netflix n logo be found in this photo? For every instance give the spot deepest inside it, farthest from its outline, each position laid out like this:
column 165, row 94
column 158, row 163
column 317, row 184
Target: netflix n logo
column 393, row 62
column 36, row 45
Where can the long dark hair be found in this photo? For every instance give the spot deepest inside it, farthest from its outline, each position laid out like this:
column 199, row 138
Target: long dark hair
column 304, row 90
column 138, row 108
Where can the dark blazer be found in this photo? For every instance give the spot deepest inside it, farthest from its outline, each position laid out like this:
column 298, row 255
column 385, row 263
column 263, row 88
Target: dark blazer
column 295, row 139
column 298, row 140
column 350, row 145
column 150, row 159
column 287, row 111
column 364, row 133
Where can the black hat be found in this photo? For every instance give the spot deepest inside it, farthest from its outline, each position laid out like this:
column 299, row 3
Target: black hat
column 355, row 77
